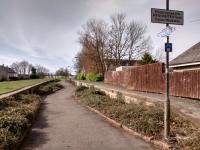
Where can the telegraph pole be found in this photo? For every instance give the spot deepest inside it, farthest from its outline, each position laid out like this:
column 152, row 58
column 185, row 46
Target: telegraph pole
column 167, row 99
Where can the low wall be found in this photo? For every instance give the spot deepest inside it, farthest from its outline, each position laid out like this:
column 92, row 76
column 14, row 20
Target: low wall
column 151, row 78
column 113, row 93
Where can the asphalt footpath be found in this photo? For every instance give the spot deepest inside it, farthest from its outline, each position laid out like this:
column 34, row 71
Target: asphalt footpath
column 63, row 124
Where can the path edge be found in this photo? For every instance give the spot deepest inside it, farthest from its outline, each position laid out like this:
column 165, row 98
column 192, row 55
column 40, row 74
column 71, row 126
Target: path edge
column 160, row 144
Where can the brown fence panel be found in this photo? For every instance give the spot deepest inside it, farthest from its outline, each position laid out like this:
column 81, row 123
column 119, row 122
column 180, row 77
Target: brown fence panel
column 185, row 84
column 150, row 78
column 143, row 78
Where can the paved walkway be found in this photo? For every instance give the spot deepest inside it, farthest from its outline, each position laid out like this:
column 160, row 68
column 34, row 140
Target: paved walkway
column 63, row 124
column 189, row 107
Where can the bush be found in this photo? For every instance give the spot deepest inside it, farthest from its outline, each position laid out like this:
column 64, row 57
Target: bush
column 99, row 77
column 17, row 125
column 7, row 139
column 14, row 78
column 28, row 98
column 91, row 76
column 3, row 79
column 34, row 76
column 49, row 88
column 80, row 76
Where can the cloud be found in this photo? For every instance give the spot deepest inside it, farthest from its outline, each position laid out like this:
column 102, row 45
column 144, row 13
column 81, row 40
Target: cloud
column 46, row 30
column 8, row 60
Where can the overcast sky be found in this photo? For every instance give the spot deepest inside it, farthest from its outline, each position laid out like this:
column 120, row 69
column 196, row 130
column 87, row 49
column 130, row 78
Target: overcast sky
column 45, row 31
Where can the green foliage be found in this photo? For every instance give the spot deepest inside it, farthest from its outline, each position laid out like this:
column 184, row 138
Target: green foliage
column 80, row 76
column 9, row 86
column 147, row 59
column 99, row 77
column 91, row 76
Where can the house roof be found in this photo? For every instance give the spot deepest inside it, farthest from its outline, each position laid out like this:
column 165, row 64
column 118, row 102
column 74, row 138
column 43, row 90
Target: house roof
column 192, row 55
column 7, row 69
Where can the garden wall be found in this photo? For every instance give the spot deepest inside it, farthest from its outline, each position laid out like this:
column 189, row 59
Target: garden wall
column 150, row 78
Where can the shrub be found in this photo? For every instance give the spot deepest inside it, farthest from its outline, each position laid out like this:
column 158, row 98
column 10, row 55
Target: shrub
column 49, row 88
column 91, row 76
column 57, row 80
column 28, row 98
column 7, row 139
column 15, row 124
column 80, row 76
column 99, row 77
column 14, row 78
column 34, row 76
column 3, row 79
column 6, row 102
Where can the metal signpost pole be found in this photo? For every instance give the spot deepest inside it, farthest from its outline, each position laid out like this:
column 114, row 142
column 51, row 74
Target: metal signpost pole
column 167, row 17
column 167, row 99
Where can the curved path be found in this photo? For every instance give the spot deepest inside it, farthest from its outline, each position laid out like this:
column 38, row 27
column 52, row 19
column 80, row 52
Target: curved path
column 63, row 124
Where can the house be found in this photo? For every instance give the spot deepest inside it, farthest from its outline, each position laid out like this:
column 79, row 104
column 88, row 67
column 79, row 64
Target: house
column 6, row 73
column 188, row 60
column 124, row 63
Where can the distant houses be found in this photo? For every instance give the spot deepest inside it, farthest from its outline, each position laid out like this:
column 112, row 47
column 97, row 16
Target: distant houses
column 7, row 73
column 188, row 60
column 112, row 65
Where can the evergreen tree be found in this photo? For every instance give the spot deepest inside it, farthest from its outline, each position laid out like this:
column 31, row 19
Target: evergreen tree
column 147, row 59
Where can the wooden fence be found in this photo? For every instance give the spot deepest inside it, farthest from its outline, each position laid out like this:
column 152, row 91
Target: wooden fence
column 150, row 78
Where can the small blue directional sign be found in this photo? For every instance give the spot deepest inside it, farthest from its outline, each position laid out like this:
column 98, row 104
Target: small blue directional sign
column 168, row 47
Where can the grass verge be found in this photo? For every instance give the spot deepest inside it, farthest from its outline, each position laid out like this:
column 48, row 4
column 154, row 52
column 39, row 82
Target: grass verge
column 147, row 120
column 17, row 113
column 9, row 86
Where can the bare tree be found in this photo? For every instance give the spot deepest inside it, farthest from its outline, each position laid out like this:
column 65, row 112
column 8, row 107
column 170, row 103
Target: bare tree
column 103, row 44
column 78, row 65
column 22, row 67
column 93, row 40
column 138, row 43
column 30, row 67
column 118, row 38
column 40, row 70
column 62, row 72
column 15, row 66
column 127, row 40
column 160, row 55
